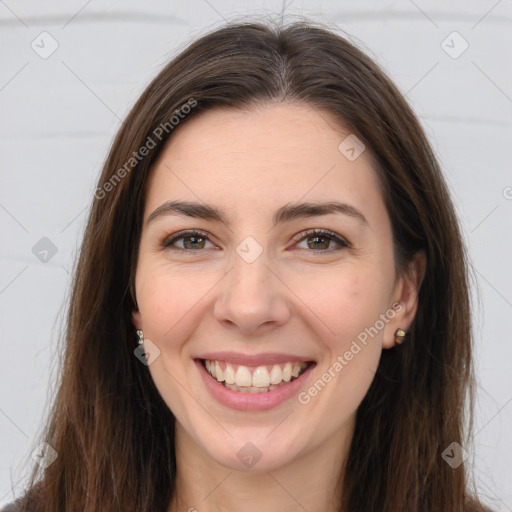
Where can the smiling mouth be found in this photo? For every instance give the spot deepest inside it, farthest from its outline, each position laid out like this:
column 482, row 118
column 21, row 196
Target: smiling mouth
column 260, row 379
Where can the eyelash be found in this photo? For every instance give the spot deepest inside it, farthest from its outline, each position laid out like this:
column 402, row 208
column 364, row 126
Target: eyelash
column 167, row 243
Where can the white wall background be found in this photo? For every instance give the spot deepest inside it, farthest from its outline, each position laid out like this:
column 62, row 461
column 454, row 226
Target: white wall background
column 60, row 113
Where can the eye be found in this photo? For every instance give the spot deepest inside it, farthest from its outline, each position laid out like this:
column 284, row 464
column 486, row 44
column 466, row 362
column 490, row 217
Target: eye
column 193, row 240
column 190, row 241
column 321, row 240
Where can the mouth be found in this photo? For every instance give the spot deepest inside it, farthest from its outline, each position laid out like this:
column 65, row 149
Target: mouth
column 254, row 379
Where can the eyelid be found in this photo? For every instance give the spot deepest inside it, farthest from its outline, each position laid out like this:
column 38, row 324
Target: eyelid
column 299, row 237
column 184, row 234
column 322, row 231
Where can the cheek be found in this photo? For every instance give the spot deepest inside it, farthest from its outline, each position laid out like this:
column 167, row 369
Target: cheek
column 168, row 300
column 346, row 301
column 349, row 304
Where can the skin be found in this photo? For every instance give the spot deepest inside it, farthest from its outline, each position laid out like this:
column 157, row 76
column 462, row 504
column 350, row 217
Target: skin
column 293, row 298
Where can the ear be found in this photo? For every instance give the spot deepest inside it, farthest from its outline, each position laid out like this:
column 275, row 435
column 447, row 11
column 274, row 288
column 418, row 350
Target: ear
column 405, row 294
column 136, row 319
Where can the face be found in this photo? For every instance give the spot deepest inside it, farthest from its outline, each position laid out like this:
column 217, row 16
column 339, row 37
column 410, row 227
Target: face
column 261, row 287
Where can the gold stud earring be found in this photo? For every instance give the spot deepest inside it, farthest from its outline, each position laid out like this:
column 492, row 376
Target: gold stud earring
column 399, row 336
column 140, row 335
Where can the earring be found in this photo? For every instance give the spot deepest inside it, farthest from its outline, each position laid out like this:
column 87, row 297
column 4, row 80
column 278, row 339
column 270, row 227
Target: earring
column 140, row 336
column 399, row 336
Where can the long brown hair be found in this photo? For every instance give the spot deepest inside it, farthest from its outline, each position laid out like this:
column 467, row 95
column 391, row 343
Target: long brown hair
column 113, row 433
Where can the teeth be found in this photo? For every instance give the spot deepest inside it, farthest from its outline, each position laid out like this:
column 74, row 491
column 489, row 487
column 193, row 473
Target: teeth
column 219, row 374
column 243, row 376
column 250, row 389
column 287, row 372
column 261, row 377
column 229, row 374
column 276, row 375
column 260, row 380
column 295, row 371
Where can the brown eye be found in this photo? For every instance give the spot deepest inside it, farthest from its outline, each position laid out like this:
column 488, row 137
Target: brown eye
column 320, row 240
column 189, row 241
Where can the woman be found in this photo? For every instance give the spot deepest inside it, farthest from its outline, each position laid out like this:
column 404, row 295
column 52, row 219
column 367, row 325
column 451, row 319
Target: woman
column 270, row 309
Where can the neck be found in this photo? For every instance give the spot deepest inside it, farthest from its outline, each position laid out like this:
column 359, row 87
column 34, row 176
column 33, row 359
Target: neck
column 311, row 482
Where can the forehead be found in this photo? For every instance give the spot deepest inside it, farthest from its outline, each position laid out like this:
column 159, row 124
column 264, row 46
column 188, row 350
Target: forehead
column 262, row 158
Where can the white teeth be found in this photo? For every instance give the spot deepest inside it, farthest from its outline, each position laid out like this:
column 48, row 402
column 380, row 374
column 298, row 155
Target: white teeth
column 295, row 371
column 219, row 374
column 261, row 377
column 244, row 389
column 243, row 376
column 229, row 374
column 287, row 372
column 259, row 380
column 276, row 375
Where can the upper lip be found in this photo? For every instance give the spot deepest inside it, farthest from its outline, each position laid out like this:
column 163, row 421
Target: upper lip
column 264, row 359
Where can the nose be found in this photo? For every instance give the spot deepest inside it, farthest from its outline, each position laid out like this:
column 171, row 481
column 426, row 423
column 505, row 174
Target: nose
column 252, row 298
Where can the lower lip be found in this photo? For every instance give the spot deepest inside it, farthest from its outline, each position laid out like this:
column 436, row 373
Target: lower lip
column 252, row 401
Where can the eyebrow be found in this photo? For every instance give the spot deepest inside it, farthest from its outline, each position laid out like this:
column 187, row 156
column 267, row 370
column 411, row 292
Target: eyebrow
column 284, row 214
